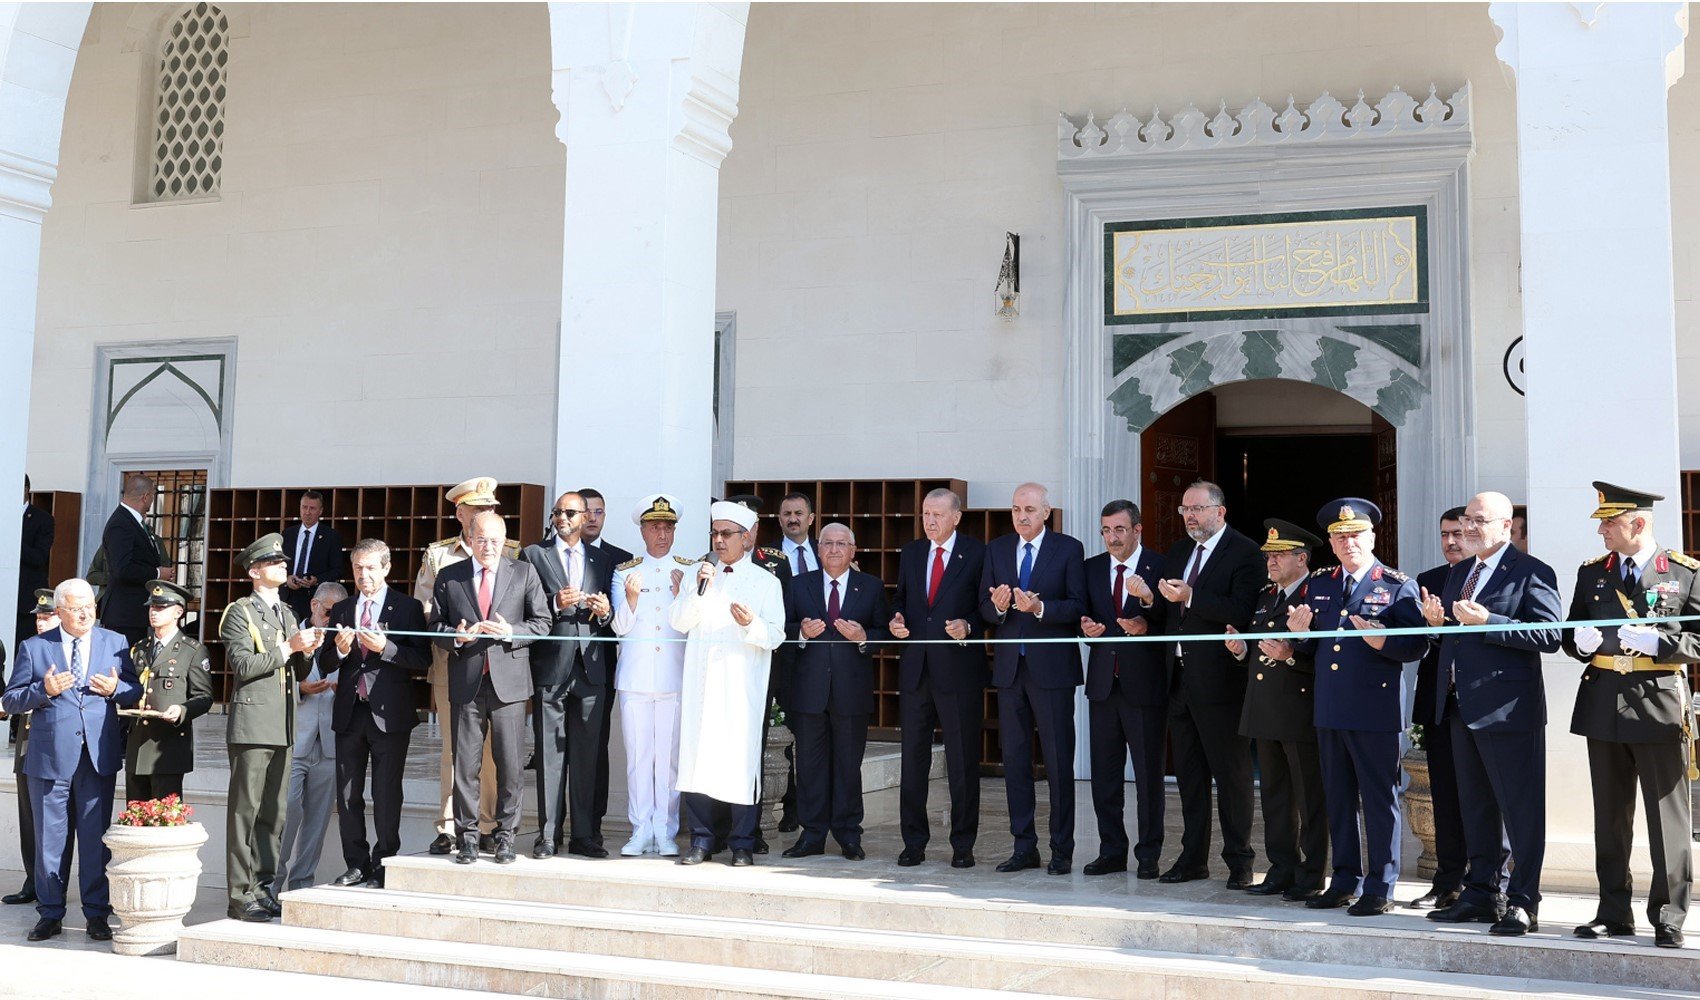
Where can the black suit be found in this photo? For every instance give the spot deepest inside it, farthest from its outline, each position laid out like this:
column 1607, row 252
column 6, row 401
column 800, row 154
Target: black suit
column 616, row 557
column 133, row 557
column 34, row 553
column 1206, row 696
column 324, row 563
column 940, row 686
column 1127, row 691
column 832, row 697
column 573, row 682
column 376, row 727
column 1036, row 682
column 1449, row 852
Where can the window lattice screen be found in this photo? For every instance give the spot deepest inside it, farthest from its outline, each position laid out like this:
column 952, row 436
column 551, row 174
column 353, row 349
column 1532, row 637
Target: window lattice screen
column 189, row 106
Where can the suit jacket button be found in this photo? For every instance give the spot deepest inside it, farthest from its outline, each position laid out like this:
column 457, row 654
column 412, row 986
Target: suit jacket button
column 1336, row 647
column 1334, row 666
column 1383, row 683
column 1259, row 676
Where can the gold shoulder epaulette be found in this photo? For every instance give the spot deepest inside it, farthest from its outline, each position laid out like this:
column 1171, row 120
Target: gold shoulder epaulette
column 442, row 543
column 1319, row 574
column 774, row 553
column 512, row 549
column 681, row 560
column 1393, row 574
column 630, row 563
column 1683, row 559
column 1602, row 557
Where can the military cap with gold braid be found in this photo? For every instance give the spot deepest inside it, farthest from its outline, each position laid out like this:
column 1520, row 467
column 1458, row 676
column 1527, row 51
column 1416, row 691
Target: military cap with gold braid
column 479, row 492
column 1348, row 516
column 1285, row 536
column 1615, row 500
column 656, row 507
column 164, row 593
column 265, row 548
column 44, row 602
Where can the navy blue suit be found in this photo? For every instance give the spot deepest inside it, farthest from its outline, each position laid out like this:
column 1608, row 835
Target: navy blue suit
column 1361, row 711
column 1127, row 693
column 1450, row 854
column 76, row 750
column 1497, row 708
column 831, row 699
column 941, row 686
column 1036, row 682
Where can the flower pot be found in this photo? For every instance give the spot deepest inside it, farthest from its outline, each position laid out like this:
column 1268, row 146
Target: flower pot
column 774, row 767
column 1419, row 809
column 153, row 874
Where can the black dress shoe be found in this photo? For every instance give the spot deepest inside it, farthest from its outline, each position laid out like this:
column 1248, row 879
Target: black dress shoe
column 47, row 927
column 1332, row 899
column 1146, row 872
column 444, row 844
column 802, row 849
column 694, row 856
column 468, row 852
column 1059, row 865
column 1370, row 906
column 1517, row 921
column 962, row 859
column 586, row 848
column 268, row 902
column 1604, row 929
column 1105, row 866
column 1462, row 912
column 1268, row 887
column 742, row 859
column 354, row 876
column 99, row 929
column 1434, row 899
column 487, row 843
column 375, row 878
column 911, row 857
column 504, row 853
column 1179, row 874
column 1667, row 936
column 854, row 852
column 761, row 846
column 1020, row 861
column 1301, row 893
column 252, row 913
column 542, row 849
column 1239, row 880
column 24, row 895
column 788, row 823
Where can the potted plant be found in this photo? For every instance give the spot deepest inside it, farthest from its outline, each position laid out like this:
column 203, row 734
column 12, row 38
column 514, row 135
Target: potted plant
column 1419, row 800
column 156, row 862
column 774, row 765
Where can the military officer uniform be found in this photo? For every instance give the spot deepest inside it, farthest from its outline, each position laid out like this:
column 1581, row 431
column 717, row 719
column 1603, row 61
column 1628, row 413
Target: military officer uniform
column 1361, row 712
column 261, row 734
column 173, row 671
column 20, row 746
column 479, row 493
column 1635, row 710
column 1279, row 713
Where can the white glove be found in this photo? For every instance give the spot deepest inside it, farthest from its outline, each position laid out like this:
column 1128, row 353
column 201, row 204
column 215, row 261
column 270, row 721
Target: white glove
column 1642, row 639
column 1588, row 639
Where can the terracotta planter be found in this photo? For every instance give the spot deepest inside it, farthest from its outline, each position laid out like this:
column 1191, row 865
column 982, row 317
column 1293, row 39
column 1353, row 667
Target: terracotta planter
column 153, row 874
column 774, row 767
column 1419, row 809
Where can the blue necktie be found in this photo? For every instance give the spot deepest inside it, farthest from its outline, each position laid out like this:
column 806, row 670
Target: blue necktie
column 1026, row 580
column 78, row 673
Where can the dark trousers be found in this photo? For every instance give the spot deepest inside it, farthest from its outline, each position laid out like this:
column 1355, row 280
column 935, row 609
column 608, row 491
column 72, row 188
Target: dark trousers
column 1662, row 773
column 1208, row 746
column 599, row 808
column 79, row 806
column 567, row 726
column 26, row 827
column 1117, row 731
column 1022, row 706
column 504, row 723
column 1502, row 786
column 1360, row 768
column 709, row 814
column 387, row 754
column 829, row 796
column 142, row 787
column 1450, row 854
column 1295, row 818
column 961, row 715
column 253, row 827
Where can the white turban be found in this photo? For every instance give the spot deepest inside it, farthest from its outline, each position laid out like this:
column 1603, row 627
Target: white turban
column 737, row 513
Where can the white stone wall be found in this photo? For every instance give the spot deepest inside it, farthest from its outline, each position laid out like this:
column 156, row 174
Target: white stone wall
column 882, row 150
column 388, row 236
column 1685, row 244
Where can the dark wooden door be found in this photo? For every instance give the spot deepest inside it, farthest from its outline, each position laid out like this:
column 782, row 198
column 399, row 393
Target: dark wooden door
column 1176, row 450
column 1386, row 488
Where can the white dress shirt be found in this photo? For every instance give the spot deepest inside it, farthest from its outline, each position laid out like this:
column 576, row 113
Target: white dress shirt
column 794, row 552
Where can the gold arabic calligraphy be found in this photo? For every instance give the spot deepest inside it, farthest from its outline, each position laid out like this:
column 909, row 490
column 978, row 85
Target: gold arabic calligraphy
column 1346, row 262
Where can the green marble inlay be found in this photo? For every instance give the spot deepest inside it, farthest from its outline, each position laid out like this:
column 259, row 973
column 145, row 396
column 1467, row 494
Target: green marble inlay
column 1127, row 348
column 1188, row 364
column 1399, row 397
column 1262, row 349
column 1403, row 339
column 1336, row 360
column 1133, row 405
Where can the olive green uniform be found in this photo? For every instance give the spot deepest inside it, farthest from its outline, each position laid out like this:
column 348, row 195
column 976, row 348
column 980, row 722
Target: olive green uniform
column 158, row 753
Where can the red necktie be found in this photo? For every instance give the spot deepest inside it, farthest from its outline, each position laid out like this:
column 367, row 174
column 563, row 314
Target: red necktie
column 833, row 608
column 1116, row 599
column 485, row 585
column 936, row 576
column 1197, row 561
column 363, row 687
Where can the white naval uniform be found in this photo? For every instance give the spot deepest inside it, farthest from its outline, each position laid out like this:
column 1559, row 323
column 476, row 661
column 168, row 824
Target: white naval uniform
column 647, row 680
column 724, row 697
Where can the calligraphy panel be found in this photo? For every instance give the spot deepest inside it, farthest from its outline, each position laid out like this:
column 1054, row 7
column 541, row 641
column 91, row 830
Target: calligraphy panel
column 1360, row 262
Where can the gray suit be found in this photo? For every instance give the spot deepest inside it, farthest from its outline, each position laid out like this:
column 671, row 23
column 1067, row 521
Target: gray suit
column 489, row 682
column 312, row 784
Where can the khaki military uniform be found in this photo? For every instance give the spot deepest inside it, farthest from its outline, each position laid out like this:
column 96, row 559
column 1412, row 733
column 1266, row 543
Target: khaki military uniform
column 158, row 753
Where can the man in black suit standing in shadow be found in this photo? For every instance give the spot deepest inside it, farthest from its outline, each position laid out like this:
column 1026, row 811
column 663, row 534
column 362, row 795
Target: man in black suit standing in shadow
column 315, row 554
column 1034, row 587
column 34, row 552
column 1211, row 580
column 941, row 684
column 133, row 557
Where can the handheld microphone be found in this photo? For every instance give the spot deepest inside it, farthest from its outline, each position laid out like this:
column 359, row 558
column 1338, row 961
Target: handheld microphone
column 702, row 582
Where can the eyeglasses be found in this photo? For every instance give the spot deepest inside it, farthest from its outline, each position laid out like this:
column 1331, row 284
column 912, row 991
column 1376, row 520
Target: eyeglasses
column 724, row 535
column 566, row 512
column 80, row 611
column 1479, row 522
column 1197, row 508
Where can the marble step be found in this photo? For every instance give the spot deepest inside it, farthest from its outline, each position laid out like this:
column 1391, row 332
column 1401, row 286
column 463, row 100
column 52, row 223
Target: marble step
column 884, row 900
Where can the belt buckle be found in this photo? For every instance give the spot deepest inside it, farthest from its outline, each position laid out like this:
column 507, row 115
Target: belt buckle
column 1623, row 664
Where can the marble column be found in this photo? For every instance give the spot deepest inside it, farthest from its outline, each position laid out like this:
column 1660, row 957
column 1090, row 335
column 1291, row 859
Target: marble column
column 1598, row 313
column 647, row 94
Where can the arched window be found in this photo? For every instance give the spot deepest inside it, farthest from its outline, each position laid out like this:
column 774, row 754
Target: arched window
column 189, row 91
